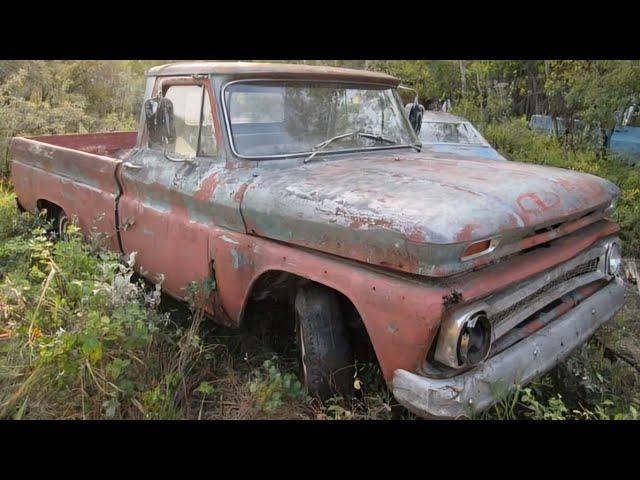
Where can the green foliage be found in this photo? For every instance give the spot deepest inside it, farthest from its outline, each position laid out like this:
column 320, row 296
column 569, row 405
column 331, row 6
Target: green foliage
column 82, row 341
column 593, row 90
column 39, row 97
column 271, row 387
column 528, row 403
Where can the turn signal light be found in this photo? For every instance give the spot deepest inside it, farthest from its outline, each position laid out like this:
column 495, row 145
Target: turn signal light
column 481, row 247
column 476, row 248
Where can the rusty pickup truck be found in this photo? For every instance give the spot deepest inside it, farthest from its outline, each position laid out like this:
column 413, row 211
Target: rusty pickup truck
column 307, row 186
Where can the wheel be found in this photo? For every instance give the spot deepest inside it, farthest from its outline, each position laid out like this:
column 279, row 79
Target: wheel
column 326, row 359
column 62, row 224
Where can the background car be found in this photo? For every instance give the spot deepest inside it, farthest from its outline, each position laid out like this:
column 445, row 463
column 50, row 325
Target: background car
column 625, row 137
column 447, row 133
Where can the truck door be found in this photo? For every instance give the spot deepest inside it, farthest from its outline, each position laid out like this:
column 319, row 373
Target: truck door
column 164, row 210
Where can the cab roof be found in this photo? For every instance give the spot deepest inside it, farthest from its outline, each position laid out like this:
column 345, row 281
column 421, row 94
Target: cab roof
column 436, row 116
column 272, row 70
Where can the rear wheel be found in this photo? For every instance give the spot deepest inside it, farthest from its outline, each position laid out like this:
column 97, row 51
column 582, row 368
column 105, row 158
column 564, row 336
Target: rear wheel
column 62, row 226
column 326, row 359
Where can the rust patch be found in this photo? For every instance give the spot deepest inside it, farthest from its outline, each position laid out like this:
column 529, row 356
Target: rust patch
column 239, row 195
column 207, row 187
column 466, row 233
column 525, row 202
column 452, row 298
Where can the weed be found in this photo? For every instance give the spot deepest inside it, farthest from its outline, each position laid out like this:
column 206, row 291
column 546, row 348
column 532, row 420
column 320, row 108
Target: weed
column 271, row 387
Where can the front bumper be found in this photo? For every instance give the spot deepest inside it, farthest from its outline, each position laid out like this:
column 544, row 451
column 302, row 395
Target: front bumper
column 478, row 389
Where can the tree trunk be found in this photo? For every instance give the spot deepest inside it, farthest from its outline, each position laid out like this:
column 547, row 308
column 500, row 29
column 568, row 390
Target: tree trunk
column 603, row 143
column 463, row 78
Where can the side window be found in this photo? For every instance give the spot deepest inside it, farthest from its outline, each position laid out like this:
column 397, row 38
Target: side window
column 193, row 121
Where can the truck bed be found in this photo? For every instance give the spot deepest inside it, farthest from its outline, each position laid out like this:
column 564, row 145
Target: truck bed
column 76, row 173
column 111, row 144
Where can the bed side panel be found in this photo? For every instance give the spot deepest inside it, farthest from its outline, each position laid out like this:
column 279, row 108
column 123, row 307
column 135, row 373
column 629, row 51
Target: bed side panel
column 83, row 184
column 97, row 143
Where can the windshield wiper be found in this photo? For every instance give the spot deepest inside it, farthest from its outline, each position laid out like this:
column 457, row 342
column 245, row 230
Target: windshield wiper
column 380, row 138
column 356, row 133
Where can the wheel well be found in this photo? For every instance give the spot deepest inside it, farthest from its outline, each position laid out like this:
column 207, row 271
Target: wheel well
column 275, row 290
column 53, row 210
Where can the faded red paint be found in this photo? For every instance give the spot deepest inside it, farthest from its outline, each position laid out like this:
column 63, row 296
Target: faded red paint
column 89, row 197
column 379, row 228
column 466, row 233
column 401, row 316
column 239, row 194
column 531, row 202
column 98, row 143
column 480, row 283
column 208, row 187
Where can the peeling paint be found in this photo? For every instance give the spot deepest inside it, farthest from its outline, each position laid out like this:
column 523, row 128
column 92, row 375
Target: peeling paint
column 408, row 215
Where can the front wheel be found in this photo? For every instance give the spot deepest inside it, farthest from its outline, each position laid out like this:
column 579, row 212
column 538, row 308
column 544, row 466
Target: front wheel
column 326, row 359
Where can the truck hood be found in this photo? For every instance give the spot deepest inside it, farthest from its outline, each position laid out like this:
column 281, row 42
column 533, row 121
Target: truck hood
column 413, row 212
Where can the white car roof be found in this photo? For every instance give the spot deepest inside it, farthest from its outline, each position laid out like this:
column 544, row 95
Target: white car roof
column 434, row 116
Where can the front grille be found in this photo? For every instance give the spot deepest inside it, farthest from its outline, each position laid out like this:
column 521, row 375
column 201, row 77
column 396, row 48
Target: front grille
column 582, row 269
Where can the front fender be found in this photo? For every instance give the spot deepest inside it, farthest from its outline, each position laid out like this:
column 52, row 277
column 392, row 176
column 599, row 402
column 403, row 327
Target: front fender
column 401, row 315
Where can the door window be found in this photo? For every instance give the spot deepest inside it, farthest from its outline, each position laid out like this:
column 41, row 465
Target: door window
column 193, row 121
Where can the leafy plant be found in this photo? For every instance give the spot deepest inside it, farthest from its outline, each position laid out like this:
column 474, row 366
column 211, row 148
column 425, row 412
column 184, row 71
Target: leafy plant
column 271, row 387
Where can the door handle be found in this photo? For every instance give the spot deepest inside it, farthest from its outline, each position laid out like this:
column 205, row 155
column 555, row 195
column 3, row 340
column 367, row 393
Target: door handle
column 132, row 166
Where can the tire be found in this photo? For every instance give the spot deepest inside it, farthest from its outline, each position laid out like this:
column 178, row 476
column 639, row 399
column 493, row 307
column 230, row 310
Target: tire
column 326, row 359
column 62, row 223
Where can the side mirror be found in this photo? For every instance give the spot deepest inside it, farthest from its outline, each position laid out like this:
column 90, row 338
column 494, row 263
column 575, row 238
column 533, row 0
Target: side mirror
column 415, row 116
column 159, row 119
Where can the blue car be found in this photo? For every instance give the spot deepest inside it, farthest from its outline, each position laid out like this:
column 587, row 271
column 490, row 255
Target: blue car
column 446, row 133
column 625, row 137
column 623, row 140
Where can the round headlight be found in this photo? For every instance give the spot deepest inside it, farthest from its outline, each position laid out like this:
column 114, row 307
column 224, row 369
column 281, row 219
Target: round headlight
column 614, row 259
column 475, row 340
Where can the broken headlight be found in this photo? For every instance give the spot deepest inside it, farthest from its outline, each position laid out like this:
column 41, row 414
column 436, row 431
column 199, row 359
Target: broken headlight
column 464, row 339
column 614, row 259
column 475, row 340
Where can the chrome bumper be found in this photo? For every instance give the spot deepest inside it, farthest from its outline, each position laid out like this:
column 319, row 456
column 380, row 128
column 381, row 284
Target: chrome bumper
column 478, row 389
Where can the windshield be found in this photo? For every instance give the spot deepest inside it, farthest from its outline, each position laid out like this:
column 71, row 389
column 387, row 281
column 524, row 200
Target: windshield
column 292, row 118
column 448, row 132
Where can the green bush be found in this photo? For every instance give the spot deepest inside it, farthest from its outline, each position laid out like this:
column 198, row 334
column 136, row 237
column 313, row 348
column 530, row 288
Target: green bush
column 80, row 339
column 271, row 387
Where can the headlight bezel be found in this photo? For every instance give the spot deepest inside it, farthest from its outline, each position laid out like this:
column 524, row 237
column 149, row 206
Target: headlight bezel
column 611, row 208
column 613, row 252
column 450, row 338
